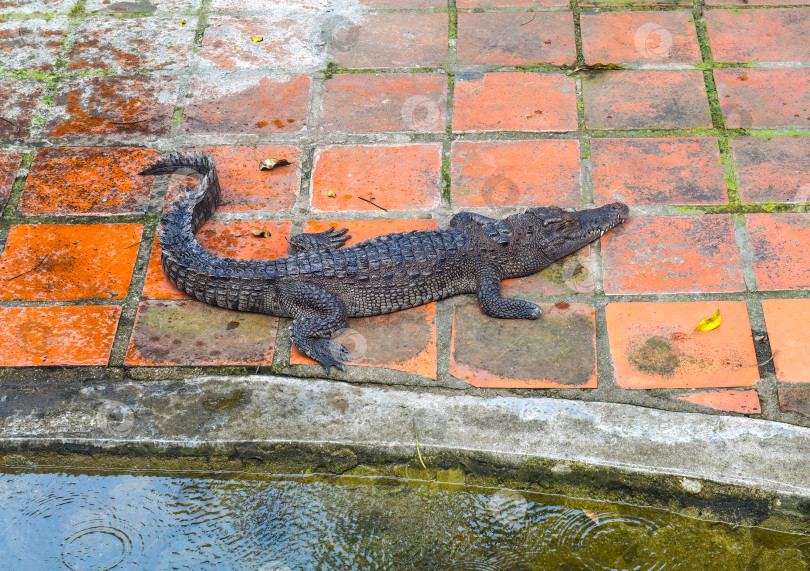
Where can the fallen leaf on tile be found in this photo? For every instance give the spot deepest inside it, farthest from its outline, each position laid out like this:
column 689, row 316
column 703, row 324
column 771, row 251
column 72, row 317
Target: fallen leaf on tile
column 270, row 164
column 710, row 322
column 260, row 233
column 256, row 39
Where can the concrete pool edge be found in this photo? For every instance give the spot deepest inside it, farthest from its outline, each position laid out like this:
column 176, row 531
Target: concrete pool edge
column 257, row 415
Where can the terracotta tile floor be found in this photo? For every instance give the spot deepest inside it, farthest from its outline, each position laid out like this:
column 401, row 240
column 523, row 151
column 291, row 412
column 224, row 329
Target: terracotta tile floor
column 393, row 120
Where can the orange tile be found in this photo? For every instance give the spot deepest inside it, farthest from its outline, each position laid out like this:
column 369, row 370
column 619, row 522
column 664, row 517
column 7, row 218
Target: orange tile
column 556, row 351
column 654, row 345
column 92, row 180
column 515, row 101
column 9, row 163
column 193, row 333
column 764, row 97
column 795, row 398
column 572, row 274
column 515, row 173
column 772, row 170
column 402, row 341
column 361, row 230
column 759, row 35
column 245, row 187
column 54, row 262
column 20, row 101
column 788, row 322
column 403, row 177
column 232, row 239
column 77, row 335
column 511, row 4
column 744, row 402
column 780, row 253
column 672, row 254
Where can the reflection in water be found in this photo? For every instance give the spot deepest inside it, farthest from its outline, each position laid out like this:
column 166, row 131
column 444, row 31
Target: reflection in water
column 97, row 522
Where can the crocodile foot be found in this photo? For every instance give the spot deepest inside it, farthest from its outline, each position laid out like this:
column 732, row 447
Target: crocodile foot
column 326, row 352
column 318, row 242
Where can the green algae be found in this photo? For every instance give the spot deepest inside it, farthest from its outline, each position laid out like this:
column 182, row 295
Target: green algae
column 655, row 356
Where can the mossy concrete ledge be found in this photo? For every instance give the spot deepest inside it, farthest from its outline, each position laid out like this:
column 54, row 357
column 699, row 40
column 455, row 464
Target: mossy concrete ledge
column 216, row 416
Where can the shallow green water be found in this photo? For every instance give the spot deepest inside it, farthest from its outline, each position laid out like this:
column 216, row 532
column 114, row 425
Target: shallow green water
column 84, row 521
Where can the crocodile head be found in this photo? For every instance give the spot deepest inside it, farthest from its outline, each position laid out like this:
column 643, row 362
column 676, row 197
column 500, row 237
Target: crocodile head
column 560, row 232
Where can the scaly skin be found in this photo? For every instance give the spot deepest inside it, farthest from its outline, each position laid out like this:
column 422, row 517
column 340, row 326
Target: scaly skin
column 320, row 283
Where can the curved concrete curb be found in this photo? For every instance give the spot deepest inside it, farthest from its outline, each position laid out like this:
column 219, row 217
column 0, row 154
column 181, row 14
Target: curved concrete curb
column 216, row 413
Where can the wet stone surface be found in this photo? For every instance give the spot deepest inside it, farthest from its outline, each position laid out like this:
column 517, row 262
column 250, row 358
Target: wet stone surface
column 31, row 44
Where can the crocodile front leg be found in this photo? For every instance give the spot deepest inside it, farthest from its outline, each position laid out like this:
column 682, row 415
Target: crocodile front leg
column 317, row 241
column 491, row 302
column 318, row 316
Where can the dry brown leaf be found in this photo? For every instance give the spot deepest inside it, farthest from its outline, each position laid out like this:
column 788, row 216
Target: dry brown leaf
column 259, row 233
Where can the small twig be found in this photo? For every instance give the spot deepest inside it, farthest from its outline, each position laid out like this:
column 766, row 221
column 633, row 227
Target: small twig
column 128, row 122
column 39, row 263
column 372, row 203
column 754, row 364
column 530, row 21
column 12, row 123
column 418, row 453
column 769, row 360
column 133, row 244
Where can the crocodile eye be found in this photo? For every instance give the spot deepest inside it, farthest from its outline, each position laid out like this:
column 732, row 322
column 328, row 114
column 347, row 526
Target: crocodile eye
column 548, row 221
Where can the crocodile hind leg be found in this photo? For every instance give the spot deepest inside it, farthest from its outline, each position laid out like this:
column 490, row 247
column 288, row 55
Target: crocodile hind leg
column 318, row 315
column 317, row 241
column 491, row 302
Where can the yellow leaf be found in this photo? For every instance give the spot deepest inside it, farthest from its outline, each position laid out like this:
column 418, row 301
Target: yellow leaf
column 260, row 233
column 330, row 193
column 270, row 164
column 710, row 322
column 256, row 39
column 182, row 22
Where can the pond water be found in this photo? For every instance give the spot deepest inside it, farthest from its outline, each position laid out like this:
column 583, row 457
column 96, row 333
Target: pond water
column 93, row 521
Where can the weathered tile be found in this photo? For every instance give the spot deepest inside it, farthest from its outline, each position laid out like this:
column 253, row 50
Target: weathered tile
column 140, row 6
column 18, row 102
column 778, row 242
column 759, row 35
column 744, row 402
column 36, row 6
column 31, row 44
column 402, row 4
column 764, row 97
column 640, row 37
column 247, row 188
column 56, row 262
column 658, row 171
column 788, row 323
column 9, row 163
column 231, row 239
column 113, row 106
column 88, row 180
column 644, row 99
column 746, row 3
column 392, row 40
column 654, row 345
column 672, row 254
column 772, row 170
column 362, row 103
column 515, row 38
column 402, row 341
column 556, row 351
column 515, row 101
column 228, row 103
column 795, row 399
column 511, row 4
column 403, row 177
column 193, row 333
column 119, row 44
column 48, row 336
column 515, row 173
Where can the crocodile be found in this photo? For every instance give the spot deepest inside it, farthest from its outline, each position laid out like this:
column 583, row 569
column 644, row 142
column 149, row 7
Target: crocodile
column 322, row 282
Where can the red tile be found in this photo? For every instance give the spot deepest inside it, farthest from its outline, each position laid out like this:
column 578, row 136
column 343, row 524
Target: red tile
column 225, row 103
column 384, row 102
column 672, row 254
column 507, row 38
column 113, row 106
column 247, row 188
column 759, row 35
column 121, row 6
column 9, row 163
column 746, row 3
column 515, row 101
column 88, row 180
column 31, row 44
column 658, row 171
column 392, row 40
column 194, row 334
column 523, row 354
column 20, row 100
column 654, row 345
column 402, row 341
column 515, row 173
column 762, row 98
column 404, row 177
column 772, row 170
column 788, row 322
column 640, row 37
column 361, row 230
column 32, row 7
column 52, row 262
column 643, row 99
column 402, row 4
column 795, row 399
column 48, row 336
column 232, row 239
column 744, row 402
column 464, row 4
column 572, row 274
column 779, row 245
